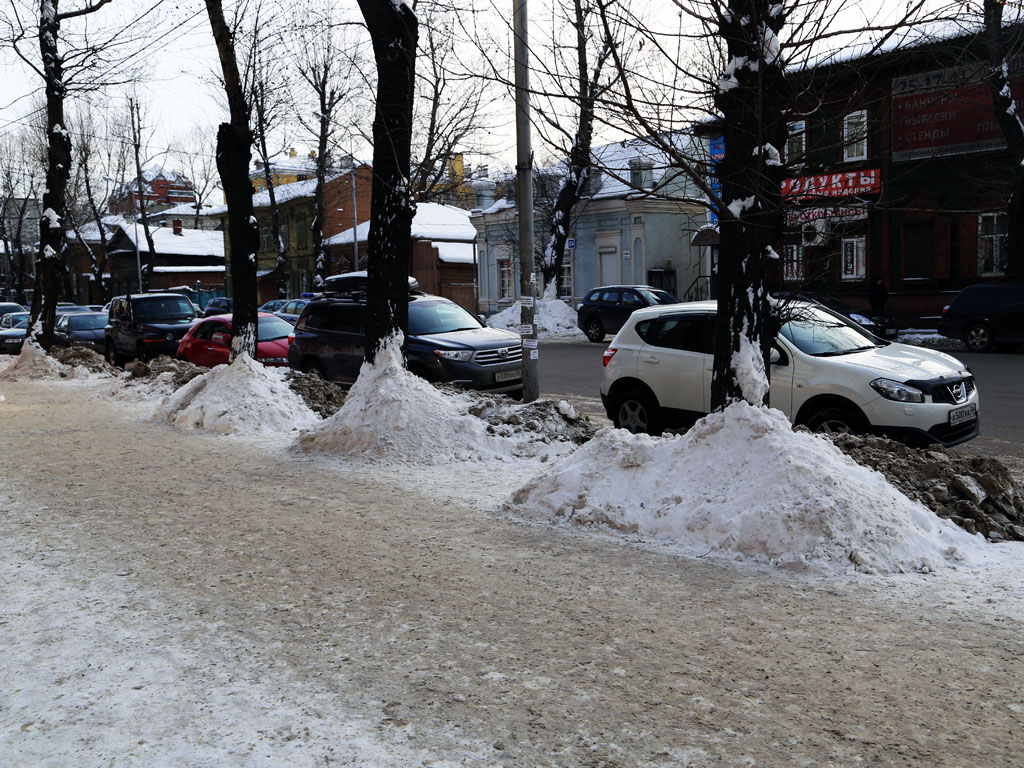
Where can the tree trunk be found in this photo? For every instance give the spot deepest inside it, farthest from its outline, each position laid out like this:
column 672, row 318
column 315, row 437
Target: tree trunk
column 234, row 151
column 135, row 116
column 281, row 264
column 751, row 173
column 52, row 244
column 98, row 264
column 319, row 210
column 393, row 31
column 1009, row 120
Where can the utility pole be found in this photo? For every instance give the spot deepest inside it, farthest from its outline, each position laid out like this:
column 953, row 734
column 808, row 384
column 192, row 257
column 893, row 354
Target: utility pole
column 355, row 217
column 524, row 177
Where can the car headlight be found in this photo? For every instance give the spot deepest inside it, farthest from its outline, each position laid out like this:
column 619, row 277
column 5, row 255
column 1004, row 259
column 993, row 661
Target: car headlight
column 455, row 354
column 898, row 391
column 861, row 319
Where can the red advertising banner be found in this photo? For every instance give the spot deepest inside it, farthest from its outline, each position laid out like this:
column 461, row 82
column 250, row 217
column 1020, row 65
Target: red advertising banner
column 833, row 184
column 938, row 114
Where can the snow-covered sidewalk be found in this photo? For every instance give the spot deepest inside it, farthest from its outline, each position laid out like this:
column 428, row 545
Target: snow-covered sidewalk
column 182, row 598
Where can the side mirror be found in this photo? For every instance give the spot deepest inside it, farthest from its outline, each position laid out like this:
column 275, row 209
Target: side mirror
column 482, row 319
column 221, row 338
column 776, row 356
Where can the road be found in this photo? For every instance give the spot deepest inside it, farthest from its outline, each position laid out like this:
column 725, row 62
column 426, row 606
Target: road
column 574, row 368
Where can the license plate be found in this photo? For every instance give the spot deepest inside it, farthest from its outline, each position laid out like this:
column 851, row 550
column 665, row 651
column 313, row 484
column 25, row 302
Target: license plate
column 960, row 415
column 507, row 376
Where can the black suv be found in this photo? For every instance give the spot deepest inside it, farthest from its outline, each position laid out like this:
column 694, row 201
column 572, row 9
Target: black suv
column 146, row 325
column 219, row 305
column 605, row 310
column 986, row 316
column 446, row 343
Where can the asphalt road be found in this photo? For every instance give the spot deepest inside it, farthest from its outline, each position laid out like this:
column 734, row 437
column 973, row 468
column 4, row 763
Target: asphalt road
column 574, row 368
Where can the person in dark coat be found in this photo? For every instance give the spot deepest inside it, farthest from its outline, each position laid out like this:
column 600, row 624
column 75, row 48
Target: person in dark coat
column 878, row 295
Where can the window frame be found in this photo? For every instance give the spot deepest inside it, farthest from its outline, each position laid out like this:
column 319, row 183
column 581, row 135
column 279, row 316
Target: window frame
column 506, row 279
column 796, row 129
column 998, row 254
column 797, row 272
column 851, row 142
column 860, row 259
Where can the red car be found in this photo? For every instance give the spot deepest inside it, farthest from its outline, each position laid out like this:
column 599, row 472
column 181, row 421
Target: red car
column 208, row 342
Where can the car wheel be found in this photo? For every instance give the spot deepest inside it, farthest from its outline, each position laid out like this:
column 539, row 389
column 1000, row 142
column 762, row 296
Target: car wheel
column 836, row 421
column 978, row 337
column 594, row 330
column 637, row 412
column 314, row 368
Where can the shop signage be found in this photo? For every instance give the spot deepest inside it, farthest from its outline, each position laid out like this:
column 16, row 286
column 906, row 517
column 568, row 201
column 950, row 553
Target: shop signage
column 804, row 215
column 832, row 184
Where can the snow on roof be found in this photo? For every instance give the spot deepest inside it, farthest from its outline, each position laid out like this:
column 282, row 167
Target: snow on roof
column 455, row 253
column 205, row 268
column 191, row 242
column 90, row 232
column 184, row 209
column 499, row 205
column 282, row 194
column 620, row 157
column 433, row 221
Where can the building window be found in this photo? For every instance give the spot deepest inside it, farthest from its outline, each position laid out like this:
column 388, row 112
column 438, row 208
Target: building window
column 855, row 135
column 565, row 285
column 854, row 265
column 284, row 235
column 641, row 174
column 918, row 250
column 792, row 262
column 992, row 243
column 505, row 275
column 593, row 183
column 300, row 232
column 266, row 242
column 796, row 146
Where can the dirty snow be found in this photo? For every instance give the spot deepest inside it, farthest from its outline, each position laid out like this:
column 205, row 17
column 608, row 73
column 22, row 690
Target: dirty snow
column 391, row 415
column 245, row 397
column 552, row 317
column 34, row 363
column 785, row 498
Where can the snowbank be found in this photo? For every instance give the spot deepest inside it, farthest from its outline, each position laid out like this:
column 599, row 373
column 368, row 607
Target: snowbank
column 392, row 415
column 743, row 484
column 552, row 316
column 34, row 363
column 242, row 398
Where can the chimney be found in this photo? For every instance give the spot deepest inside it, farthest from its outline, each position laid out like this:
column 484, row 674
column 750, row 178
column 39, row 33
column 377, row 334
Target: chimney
column 291, row 151
column 176, row 224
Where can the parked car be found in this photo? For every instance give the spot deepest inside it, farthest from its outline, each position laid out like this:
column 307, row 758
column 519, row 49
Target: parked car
column 826, row 373
column 876, row 323
column 6, row 307
column 605, row 309
column 355, row 282
column 208, row 342
column 13, row 327
column 445, row 343
column 986, row 316
column 218, row 305
column 146, row 325
column 273, row 306
column 81, row 329
column 292, row 310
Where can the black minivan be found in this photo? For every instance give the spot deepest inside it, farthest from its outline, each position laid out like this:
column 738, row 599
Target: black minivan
column 446, row 344
column 146, row 325
column 986, row 316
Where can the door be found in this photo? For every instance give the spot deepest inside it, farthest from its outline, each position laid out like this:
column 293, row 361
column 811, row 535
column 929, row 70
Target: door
column 344, row 335
column 675, row 361
column 608, row 259
column 782, row 379
column 629, row 301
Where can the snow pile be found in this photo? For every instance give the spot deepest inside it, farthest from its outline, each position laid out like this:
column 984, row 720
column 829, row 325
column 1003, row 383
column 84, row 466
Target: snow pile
column 392, row 415
column 552, row 316
column 242, row 398
column 743, row 484
column 34, row 363
column 924, row 337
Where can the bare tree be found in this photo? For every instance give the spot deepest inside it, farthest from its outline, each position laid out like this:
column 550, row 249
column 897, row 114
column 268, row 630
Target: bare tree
column 19, row 183
column 234, row 151
column 195, row 154
column 393, row 31
column 137, row 139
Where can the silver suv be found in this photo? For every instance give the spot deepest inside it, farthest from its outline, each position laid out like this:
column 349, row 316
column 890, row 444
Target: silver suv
column 827, row 373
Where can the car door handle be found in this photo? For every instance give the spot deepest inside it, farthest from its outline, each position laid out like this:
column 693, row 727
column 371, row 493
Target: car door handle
column 653, row 360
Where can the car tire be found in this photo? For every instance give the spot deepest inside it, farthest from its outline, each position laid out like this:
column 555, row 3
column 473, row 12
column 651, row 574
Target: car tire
column 594, row 330
column 836, row 420
column 637, row 411
column 978, row 337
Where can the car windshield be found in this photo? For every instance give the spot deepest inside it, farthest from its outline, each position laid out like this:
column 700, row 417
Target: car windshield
column 439, row 317
column 270, row 328
column 164, row 308
column 816, row 331
column 86, row 322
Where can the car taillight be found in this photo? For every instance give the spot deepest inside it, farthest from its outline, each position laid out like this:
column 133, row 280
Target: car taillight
column 945, row 309
column 608, row 354
column 291, row 338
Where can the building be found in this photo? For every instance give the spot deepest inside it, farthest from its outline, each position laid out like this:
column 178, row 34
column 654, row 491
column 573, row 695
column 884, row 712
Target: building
column 160, row 189
column 296, row 204
column 288, row 170
column 442, row 256
column 634, row 225
column 186, row 213
column 898, row 170
column 190, row 258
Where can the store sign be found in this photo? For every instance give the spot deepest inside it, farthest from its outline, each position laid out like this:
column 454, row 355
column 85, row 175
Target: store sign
column 796, row 216
column 833, row 184
column 947, row 112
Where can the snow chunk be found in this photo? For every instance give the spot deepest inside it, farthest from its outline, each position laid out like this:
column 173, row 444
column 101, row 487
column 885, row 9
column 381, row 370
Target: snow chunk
column 34, row 363
column 738, row 206
column 751, row 489
column 771, row 154
column 51, row 216
column 245, row 397
column 748, row 364
column 552, row 317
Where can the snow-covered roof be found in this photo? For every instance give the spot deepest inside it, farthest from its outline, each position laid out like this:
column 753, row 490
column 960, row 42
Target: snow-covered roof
column 191, row 242
column 619, row 158
column 455, row 253
column 433, row 221
column 282, row 194
column 90, row 232
column 184, row 209
column 204, row 268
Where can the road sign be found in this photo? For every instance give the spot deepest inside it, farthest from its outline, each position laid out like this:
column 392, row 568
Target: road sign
column 570, row 243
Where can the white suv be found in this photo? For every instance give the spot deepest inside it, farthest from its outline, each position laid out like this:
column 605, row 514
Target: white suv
column 826, row 372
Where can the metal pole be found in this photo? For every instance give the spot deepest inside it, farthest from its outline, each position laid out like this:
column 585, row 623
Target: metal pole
column 524, row 176
column 355, row 218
